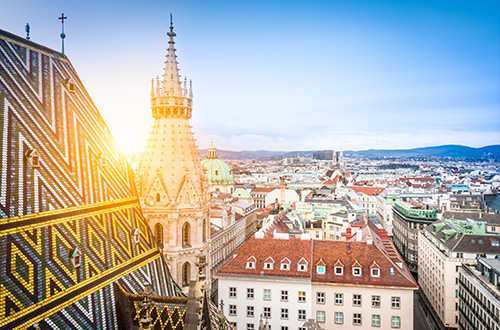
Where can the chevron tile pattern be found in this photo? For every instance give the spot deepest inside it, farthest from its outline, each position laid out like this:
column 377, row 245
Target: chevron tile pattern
column 70, row 221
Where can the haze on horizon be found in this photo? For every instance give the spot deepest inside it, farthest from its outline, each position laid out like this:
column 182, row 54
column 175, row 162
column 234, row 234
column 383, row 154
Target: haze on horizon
column 289, row 75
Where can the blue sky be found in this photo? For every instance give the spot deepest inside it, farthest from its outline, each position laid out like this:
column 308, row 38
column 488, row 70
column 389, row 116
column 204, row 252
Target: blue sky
column 289, row 75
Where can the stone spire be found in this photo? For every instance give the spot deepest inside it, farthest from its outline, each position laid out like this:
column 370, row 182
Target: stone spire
column 170, row 100
column 171, row 78
column 173, row 189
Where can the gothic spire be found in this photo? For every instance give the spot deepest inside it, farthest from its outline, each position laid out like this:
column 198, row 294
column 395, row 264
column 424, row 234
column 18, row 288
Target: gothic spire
column 171, row 78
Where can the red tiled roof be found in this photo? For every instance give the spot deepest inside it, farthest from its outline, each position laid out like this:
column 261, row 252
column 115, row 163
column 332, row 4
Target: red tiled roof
column 362, row 253
column 367, row 190
column 331, row 252
column 294, row 249
column 264, row 189
column 328, row 182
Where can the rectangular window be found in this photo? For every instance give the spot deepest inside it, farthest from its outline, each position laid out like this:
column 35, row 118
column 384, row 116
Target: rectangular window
column 339, row 318
column 395, row 303
column 339, row 299
column 302, row 296
column 375, row 301
column 339, row 271
column 284, row 313
column 375, row 272
column 375, row 320
column 302, row 314
column 250, row 293
column 284, row 295
column 284, row 327
column 232, row 292
column 250, row 311
column 320, row 270
column 320, row 297
column 356, row 318
column 232, row 310
column 250, row 326
column 267, row 294
column 320, row 316
column 356, row 300
column 267, row 312
column 356, row 271
column 395, row 322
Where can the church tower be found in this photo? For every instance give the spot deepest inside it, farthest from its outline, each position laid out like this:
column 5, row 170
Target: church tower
column 173, row 190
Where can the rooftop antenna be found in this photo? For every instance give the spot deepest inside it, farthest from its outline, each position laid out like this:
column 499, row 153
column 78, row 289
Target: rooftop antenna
column 27, row 29
column 62, row 18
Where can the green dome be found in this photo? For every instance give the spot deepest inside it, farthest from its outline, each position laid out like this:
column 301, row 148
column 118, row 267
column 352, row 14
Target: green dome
column 217, row 172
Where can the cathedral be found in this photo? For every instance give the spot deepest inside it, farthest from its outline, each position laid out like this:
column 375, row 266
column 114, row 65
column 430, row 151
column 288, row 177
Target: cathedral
column 172, row 188
column 80, row 246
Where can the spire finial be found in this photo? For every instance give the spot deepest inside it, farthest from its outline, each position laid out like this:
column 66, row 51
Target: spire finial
column 171, row 33
column 63, row 35
column 27, row 28
column 190, row 88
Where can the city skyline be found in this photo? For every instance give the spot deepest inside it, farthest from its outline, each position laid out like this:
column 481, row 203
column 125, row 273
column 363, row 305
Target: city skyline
column 290, row 76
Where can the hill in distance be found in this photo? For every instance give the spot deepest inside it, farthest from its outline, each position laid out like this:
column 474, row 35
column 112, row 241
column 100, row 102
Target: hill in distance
column 454, row 151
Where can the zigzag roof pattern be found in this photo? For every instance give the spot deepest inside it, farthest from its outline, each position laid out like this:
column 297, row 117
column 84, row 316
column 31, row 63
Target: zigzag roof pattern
column 75, row 193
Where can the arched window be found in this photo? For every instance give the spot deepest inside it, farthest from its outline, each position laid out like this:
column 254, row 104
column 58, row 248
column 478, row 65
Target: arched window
column 159, row 235
column 158, row 198
column 186, row 274
column 204, row 230
column 186, row 235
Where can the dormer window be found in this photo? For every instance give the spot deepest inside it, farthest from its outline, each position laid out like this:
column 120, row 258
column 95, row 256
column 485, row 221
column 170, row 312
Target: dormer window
column 269, row 263
column 70, row 85
column 137, row 233
column 320, row 267
column 285, row 264
column 374, row 270
column 357, row 269
column 33, row 158
column 75, row 257
column 391, row 270
column 251, row 263
column 338, row 268
column 302, row 265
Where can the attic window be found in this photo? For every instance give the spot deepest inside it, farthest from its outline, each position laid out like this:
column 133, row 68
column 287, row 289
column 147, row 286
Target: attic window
column 136, row 236
column 302, row 265
column 339, row 270
column 320, row 270
column 269, row 263
column 33, row 158
column 75, row 257
column 375, row 272
column 392, row 270
column 357, row 271
column 251, row 263
column 285, row 264
column 494, row 243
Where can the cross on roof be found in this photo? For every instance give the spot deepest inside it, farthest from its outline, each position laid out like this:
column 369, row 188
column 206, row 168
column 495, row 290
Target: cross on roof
column 62, row 18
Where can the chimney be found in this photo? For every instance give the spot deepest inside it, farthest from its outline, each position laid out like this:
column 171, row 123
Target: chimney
column 369, row 240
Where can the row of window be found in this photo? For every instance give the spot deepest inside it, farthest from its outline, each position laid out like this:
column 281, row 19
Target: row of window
column 356, row 268
column 339, row 319
column 320, row 297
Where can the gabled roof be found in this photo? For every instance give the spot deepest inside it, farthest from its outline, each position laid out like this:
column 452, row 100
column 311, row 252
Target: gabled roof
column 370, row 191
column 262, row 249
